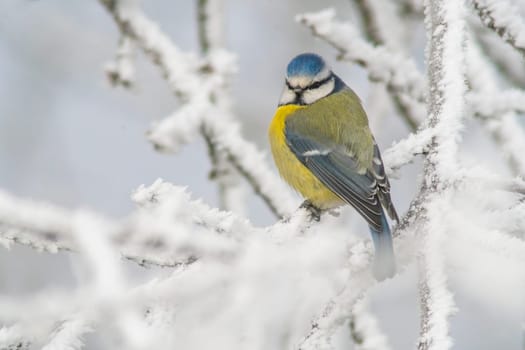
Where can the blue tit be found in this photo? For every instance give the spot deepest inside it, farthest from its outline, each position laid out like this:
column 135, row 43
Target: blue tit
column 323, row 147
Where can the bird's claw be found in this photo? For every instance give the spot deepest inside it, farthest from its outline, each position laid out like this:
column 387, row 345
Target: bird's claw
column 315, row 212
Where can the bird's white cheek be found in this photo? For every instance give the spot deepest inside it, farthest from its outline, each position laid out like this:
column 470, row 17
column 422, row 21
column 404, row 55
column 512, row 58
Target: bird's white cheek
column 323, row 74
column 310, row 96
column 287, row 97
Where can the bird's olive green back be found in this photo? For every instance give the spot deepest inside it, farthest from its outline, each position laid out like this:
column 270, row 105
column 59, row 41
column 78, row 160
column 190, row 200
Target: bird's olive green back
column 337, row 121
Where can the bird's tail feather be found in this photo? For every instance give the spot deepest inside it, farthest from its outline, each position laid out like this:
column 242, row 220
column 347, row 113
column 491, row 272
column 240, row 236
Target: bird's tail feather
column 384, row 261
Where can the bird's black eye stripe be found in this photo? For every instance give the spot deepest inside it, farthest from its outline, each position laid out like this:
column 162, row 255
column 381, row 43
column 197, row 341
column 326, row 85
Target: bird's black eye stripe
column 319, row 83
column 315, row 85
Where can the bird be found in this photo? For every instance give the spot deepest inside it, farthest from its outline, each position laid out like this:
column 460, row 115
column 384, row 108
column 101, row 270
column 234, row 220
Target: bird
column 323, row 148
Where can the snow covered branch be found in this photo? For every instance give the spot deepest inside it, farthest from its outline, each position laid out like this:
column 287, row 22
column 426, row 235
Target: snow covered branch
column 341, row 309
column 294, row 284
column 202, row 86
column 382, row 23
column 69, row 335
column 166, row 220
column 405, row 150
column 211, row 39
column 121, row 71
column 499, row 104
column 437, row 141
column 383, row 26
column 365, row 330
column 398, row 72
column 146, row 236
column 12, row 338
column 502, row 56
column 503, row 18
column 496, row 108
column 445, row 24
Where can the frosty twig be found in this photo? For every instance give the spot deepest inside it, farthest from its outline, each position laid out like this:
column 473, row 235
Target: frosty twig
column 502, row 17
column 200, row 84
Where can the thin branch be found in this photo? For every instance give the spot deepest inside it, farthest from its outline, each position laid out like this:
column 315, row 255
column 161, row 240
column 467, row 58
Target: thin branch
column 365, row 330
column 146, row 236
column 377, row 60
column 383, row 27
column 210, row 24
column 507, row 132
column 502, row 17
column 121, row 71
column 210, row 32
column 69, row 335
column 202, row 18
column 395, row 70
column 170, row 229
column 495, row 105
column 496, row 108
column 13, row 338
column 338, row 310
column 198, row 83
column 167, row 207
column 413, row 8
column 439, row 142
column 502, row 56
column 179, row 69
column 372, row 30
column 252, row 165
column 404, row 151
column 383, row 65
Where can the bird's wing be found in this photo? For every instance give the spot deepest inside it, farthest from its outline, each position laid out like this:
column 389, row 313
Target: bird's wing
column 383, row 185
column 338, row 170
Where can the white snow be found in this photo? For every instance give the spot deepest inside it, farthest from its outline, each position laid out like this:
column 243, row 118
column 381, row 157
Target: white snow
column 226, row 283
column 505, row 17
column 367, row 328
column 382, row 63
column 497, row 106
column 122, row 69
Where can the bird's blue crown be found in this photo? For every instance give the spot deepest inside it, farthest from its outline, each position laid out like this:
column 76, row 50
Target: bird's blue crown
column 306, row 64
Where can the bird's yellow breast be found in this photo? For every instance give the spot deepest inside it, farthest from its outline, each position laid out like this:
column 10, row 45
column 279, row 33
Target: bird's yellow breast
column 291, row 169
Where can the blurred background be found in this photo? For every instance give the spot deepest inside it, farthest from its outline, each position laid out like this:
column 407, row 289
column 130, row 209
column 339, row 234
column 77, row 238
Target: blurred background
column 68, row 137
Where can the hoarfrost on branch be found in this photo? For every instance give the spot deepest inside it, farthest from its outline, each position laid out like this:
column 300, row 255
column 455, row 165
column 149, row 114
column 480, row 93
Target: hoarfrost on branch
column 227, row 277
